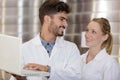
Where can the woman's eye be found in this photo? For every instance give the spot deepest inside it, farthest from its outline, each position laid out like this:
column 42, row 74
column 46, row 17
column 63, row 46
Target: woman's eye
column 61, row 19
column 93, row 31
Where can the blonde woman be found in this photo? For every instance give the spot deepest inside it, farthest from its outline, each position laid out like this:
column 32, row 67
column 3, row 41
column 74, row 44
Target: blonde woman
column 97, row 62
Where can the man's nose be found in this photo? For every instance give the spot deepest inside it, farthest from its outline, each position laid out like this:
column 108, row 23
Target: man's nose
column 65, row 23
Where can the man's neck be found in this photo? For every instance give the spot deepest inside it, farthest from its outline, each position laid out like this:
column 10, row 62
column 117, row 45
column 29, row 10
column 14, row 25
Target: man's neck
column 47, row 38
column 46, row 35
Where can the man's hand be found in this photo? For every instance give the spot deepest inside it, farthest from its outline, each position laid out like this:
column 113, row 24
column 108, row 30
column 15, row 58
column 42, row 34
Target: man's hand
column 33, row 66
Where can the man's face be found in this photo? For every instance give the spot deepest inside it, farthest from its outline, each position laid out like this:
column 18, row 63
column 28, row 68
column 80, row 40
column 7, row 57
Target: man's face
column 58, row 24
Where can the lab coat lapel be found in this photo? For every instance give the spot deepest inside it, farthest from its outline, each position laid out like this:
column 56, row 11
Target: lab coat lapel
column 56, row 48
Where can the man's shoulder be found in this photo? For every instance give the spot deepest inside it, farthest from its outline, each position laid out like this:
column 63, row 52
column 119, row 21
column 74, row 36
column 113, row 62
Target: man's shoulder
column 69, row 42
column 27, row 44
column 66, row 42
column 34, row 41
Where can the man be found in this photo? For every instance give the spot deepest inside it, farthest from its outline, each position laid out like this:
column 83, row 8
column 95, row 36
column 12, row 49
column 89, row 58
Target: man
column 47, row 51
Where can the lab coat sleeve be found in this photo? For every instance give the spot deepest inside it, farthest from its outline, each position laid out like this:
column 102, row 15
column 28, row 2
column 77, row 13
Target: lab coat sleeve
column 72, row 69
column 112, row 72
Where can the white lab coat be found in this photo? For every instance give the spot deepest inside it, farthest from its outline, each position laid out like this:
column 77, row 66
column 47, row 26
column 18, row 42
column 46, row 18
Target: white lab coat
column 64, row 59
column 102, row 67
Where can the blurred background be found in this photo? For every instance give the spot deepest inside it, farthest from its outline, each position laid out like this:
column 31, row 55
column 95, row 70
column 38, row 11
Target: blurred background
column 20, row 18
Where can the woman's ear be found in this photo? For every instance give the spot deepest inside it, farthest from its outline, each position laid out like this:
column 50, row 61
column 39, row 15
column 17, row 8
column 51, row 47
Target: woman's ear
column 105, row 37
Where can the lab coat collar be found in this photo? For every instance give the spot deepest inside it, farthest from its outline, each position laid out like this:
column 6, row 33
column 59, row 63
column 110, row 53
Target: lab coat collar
column 36, row 41
column 98, row 57
column 101, row 54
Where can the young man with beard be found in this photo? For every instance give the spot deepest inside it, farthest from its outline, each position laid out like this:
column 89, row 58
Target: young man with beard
column 47, row 51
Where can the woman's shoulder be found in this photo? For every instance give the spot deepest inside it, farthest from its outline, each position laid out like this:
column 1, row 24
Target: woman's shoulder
column 111, row 61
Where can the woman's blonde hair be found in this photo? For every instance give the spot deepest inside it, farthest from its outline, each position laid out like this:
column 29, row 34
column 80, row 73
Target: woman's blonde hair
column 105, row 27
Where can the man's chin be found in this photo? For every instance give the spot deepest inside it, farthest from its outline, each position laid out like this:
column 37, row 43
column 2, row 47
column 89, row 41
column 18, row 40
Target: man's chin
column 60, row 35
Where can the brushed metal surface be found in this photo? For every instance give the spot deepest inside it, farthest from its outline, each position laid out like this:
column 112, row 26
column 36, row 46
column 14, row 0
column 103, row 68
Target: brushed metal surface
column 20, row 18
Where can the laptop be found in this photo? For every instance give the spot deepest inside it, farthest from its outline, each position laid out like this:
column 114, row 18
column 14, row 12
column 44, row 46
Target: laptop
column 10, row 53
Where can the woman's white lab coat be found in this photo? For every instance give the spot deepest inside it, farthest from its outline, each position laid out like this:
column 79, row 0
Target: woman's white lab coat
column 102, row 67
column 64, row 60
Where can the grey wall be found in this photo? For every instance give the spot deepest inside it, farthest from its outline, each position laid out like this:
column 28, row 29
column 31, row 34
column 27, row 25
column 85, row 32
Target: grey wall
column 20, row 18
column 84, row 11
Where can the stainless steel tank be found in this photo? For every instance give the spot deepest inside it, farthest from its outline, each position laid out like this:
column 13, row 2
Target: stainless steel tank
column 20, row 18
column 84, row 11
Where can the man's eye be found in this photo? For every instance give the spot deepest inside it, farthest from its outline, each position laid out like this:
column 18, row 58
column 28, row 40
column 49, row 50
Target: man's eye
column 86, row 30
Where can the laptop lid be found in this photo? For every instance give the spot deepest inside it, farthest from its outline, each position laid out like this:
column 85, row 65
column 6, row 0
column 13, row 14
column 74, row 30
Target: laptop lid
column 10, row 55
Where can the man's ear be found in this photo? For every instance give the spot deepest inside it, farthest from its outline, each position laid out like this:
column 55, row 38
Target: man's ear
column 47, row 19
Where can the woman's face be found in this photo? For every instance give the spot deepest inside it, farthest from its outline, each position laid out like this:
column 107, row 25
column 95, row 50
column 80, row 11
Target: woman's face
column 94, row 36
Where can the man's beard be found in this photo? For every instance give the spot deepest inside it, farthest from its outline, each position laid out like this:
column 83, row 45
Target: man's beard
column 62, row 32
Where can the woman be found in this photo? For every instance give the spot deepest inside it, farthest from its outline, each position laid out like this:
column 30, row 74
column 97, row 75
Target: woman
column 97, row 62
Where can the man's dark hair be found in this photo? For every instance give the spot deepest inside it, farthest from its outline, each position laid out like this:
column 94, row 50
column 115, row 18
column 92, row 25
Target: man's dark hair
column 51, row 7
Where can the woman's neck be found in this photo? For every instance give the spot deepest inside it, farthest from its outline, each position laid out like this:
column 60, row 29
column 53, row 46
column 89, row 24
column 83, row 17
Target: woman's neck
column 92, row 54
